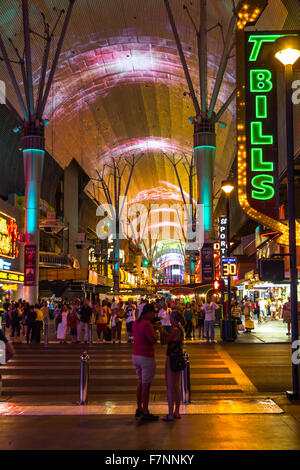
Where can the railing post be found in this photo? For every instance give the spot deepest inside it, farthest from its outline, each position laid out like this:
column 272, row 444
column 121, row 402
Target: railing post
column 46, row 333
column 84, row 378
column 186, row 380
column 90, row 333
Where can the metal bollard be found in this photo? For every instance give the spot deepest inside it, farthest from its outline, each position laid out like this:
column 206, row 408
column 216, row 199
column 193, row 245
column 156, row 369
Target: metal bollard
column 90, row 333
column 84, row 378
column 186, row 380
column 46, row 333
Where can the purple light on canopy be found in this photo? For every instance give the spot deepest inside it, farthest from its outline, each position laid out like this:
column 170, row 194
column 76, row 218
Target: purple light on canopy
column 90, row 71
column 138, row 146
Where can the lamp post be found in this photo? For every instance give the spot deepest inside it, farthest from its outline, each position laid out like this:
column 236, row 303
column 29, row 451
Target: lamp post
column 227, row 187
column 288, row 52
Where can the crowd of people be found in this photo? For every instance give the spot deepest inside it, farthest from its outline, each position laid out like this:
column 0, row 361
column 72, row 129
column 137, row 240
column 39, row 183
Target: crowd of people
column 147, row 323
column 73, row 319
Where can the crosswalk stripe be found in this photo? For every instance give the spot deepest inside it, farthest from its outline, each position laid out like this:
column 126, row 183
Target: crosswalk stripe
column 106, row 377
column 117, row 367
column 107, row 389
column 55, row 370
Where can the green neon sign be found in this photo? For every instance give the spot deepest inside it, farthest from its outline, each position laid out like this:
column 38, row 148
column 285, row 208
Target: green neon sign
column 257, row 137
column 257, row 163
column 258, row 41
column 262, row 91
column 264, row 187
column 260, row 81
column 261, row 107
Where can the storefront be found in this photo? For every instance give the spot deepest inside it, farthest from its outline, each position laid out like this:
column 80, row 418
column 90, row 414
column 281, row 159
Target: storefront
column 255, row 289
column 11, row 254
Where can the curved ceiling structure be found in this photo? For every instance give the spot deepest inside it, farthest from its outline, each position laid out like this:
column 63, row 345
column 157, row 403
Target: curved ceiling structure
column 120, row 89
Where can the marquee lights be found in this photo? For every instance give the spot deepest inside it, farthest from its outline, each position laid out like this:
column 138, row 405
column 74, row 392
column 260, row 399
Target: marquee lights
column 257, row 128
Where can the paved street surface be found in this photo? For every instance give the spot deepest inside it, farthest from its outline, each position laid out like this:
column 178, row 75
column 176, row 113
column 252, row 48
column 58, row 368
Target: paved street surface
column 238, row 400
column 51, row 372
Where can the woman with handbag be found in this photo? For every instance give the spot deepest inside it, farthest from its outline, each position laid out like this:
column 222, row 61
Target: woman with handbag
column 175, row 363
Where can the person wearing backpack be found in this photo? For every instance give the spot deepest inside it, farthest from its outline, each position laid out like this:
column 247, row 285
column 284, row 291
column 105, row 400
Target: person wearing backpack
column 174, row 365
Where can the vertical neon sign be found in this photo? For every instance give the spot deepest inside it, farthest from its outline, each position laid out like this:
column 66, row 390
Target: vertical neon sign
column 257, row 121
column 261, row 124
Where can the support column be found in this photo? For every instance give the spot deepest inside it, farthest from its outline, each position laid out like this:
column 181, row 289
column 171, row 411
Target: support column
column 116, row 274
column 205, row 153
column 33, row 155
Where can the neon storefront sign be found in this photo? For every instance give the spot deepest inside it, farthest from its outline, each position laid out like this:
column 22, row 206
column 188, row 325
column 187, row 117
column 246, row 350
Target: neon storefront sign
column 8, row 236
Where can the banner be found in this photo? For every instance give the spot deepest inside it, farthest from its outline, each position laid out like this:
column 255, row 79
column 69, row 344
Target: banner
column 207, row 263
column 30, row 265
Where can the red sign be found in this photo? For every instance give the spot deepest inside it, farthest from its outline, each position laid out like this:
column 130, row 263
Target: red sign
column 30, row 265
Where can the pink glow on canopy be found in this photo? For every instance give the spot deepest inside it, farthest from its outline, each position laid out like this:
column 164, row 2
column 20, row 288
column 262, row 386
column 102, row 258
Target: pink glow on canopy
column 176, row 188
column 159, row 193
column 140, row 146
column 95, row 67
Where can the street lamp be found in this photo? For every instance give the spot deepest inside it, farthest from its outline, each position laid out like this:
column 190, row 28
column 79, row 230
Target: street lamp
column 227, row 186
column 287, row 51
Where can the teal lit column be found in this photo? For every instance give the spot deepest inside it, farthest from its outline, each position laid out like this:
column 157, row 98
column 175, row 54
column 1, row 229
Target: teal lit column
column 205, row 153
column 33, row 156
column 116, row 271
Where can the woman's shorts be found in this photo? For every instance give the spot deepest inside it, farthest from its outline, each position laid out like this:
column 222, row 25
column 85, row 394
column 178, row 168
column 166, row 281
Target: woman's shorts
column 145, row 368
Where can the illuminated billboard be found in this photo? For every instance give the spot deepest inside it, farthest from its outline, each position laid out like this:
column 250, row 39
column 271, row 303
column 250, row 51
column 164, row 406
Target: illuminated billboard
column 8, row 236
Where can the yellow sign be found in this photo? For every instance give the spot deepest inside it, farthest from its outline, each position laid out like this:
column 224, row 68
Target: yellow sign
column 10, row 287
column 229, row 266
column 11, row 276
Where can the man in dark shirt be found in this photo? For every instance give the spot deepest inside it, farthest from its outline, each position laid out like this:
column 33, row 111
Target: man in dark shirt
column 85, row 317
column 30, row 322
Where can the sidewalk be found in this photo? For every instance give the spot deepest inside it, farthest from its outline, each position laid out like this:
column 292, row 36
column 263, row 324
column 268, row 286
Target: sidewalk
column 205, row 431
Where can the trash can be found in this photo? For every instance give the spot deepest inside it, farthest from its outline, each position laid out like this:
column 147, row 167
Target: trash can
column 228, row 330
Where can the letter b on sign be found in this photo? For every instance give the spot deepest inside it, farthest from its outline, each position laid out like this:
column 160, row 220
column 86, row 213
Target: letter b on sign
column 260, row 81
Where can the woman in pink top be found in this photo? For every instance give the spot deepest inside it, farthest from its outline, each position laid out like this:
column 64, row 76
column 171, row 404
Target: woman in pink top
column 144, row 361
